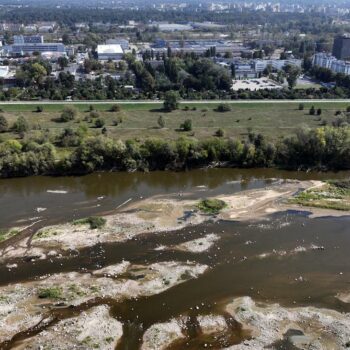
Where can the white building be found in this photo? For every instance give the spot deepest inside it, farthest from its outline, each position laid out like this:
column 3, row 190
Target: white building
column 112, row 52
column 328, row 61
column 260, row 65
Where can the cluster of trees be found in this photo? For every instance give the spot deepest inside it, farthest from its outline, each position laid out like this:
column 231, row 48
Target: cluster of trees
column 323, row 148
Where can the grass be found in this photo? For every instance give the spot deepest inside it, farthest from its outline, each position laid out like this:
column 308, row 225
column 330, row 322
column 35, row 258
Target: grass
column 211, row 206
column 50, row 293
column 273, row 120
column 94, row 222
column 333, row 195
column 4, row 235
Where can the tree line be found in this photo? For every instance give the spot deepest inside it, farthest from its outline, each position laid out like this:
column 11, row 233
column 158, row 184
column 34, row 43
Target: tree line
column 324, row 148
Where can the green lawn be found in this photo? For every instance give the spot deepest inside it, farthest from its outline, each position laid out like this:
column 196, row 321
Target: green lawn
column 274, row 120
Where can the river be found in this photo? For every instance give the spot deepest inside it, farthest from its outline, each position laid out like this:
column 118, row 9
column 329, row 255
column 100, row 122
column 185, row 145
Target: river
column 236, row 266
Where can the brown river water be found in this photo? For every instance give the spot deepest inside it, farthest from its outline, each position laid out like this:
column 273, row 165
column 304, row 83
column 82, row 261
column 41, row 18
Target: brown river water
column 235, row 266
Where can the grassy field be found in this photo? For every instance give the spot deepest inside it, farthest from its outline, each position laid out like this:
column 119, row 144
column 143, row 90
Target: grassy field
column 274, row 120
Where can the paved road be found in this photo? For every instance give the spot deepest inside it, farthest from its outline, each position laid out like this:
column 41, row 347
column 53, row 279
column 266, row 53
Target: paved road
column 183, row 102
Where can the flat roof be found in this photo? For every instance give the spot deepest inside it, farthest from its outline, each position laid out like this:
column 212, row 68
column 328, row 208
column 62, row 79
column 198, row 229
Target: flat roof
column 111, row 49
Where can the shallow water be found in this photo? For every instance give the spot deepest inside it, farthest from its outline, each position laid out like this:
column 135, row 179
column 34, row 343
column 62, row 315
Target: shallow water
column 297, row 278
column 22, row 199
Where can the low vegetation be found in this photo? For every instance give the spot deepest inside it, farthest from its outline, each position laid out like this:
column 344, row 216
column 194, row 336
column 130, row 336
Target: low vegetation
column 211, row 205
column 94, row 222
column 50, row 293
column 333, row 195
column 4, row 235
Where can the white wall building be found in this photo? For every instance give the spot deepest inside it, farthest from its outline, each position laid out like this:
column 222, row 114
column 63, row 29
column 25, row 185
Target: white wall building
column 328, row 61
column 112, row 52
column 260, row 65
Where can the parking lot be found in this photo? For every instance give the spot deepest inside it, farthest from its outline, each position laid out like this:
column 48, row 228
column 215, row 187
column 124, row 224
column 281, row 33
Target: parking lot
column 255, row 84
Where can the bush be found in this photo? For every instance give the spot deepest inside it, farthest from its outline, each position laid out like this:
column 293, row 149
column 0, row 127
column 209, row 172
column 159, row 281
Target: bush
column 20, row 125
column 117, row 120
column 319, row 111
column 115, row 108
column 4, row 125
column 186, row 125
column 312, row 110
column 223, row 107
column 161, row 122
column 94, row 114
column 301, row 107
column 52, row 293
column 39, row 109
column 93, row 221
column 68, row 113
column 211, row 206
column 219, row 133
column 99, row 123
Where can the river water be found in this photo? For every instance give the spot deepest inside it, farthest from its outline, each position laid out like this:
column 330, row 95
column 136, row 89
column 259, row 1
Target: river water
column 237, row 264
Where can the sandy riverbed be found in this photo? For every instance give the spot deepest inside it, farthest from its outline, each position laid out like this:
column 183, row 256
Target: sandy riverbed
column 159, row 214
column 21, row 306
column 264, row 325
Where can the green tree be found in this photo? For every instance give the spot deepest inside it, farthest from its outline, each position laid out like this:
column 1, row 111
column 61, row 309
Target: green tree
column 62, row 62
column 171, row 101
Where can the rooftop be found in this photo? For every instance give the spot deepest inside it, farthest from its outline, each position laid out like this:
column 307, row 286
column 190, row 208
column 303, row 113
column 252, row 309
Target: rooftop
column 112, row 49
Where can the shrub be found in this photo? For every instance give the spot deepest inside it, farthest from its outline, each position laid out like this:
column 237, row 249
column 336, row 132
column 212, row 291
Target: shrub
column 186, row 125
column 20, row 125
column 51, row 292
column 319, row 111
column 115, row 108
column 39, row 109
column 301, row 107
column 99, row 123
column 93, row 221
column 94, row 114
column 211, row 206
column 4, row 125
column 68, row 113
column 161, row 122
column 312, row 110
column 219, row 133
column 223, row 107
column 117, row 120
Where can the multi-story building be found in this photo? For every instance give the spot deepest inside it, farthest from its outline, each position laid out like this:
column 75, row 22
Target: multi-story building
column 22, row 49
column 328, row 61
column 28, row 39
column 341, row 47
column 260, row 65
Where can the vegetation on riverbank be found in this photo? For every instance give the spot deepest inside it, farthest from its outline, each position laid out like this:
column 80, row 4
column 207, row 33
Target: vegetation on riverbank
column 333, row 195
column 211, row 205
column 4, row 235
column 77, row 148
column 93, row 221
